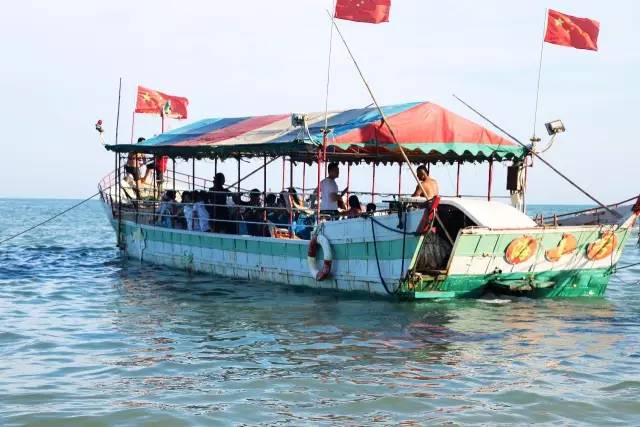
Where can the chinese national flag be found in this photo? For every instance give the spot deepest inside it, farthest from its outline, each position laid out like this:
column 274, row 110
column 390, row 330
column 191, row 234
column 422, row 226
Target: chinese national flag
column 371, row 11
column 567, row 30
column 154, row 102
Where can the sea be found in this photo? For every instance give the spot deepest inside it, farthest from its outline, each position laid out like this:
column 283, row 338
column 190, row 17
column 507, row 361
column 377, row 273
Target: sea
column 89, row 338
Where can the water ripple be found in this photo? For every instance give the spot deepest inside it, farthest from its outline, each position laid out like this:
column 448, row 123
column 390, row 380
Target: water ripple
column 87, row 338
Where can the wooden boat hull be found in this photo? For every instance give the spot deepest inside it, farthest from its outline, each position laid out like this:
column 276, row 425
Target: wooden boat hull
column 361, row 262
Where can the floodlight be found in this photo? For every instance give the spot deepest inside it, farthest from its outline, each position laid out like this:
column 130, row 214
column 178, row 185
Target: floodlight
column 298, row 120
column 555, row 127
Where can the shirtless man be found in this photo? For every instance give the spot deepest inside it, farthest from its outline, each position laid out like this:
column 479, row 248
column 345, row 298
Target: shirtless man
column 429, row 184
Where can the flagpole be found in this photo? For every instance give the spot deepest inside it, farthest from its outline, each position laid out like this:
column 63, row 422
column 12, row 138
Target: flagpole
column 535, row 113
column 323, row 153
column 133, row 124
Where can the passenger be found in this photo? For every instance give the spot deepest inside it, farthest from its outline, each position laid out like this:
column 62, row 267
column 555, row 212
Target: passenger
column 371, row 208
column 187, row 209
column 159, row 166
column 279, row 214
column 255, row 215
column 330, row 200
column 167, row 209
column 428, row 186
column 201, row 210
column 220, row 210
column 296, row 201
column 355, row 210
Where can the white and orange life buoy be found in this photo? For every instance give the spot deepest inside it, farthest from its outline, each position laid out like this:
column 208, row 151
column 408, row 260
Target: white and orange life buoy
column 319, row 274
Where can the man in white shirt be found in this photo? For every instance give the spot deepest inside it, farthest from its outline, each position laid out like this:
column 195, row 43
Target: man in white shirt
column 330, row 200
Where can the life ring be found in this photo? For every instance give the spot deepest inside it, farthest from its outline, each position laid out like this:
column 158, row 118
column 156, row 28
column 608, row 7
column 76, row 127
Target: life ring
column 603, row 247
column 567, row 245
column 521, row 249
column 318, row 274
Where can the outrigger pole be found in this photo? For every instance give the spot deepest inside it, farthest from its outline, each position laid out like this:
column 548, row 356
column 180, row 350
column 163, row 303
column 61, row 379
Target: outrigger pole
column 533, row 153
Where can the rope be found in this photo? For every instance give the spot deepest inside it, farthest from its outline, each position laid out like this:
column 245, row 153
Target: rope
column 375, row 250
column 49, row 220
column 395, row 230
column 627, row 266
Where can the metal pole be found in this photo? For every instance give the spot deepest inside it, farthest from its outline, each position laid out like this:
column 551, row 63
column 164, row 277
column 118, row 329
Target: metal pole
column 133, row 125
column 304, row 176
column 489, row 184
column 535, row 113
column 399, row 180
column 283, row 166
column 215, row 166
column 290, row 172
column 174, row 173
column 458, row 181
column 373, row 185
column 348, row 179
column 251, row 173
column 193, row 173
column 238, row 174
column 533, row 153
column 264, row 181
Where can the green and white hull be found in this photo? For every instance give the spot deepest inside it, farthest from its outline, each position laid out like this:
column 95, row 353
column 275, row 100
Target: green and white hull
column 375, row 257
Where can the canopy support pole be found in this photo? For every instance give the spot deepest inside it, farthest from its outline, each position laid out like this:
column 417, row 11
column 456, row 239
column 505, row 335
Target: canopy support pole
column 174, row 173
column 290, row 172
column 264, row 181
column 373, row 185
column 304, row 177
column 284, row 163
column 458, row 181
column 490, row 180
column 193, row 173
column 215, row 166
column 348, row 179
column 399, row 180
column 239, row 175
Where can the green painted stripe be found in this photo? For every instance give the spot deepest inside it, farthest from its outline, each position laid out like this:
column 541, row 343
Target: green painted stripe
column 387, row 250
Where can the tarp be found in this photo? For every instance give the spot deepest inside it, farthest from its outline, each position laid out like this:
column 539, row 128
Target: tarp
column 427, row 132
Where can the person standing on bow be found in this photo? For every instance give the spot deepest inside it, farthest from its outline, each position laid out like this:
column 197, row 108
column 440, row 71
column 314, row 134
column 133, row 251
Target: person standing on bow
column 330, row 200
column 428, row 187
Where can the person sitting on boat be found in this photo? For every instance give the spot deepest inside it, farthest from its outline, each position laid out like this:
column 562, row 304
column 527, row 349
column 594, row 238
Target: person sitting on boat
column 297, row 203
column 330, row 200
column 167, row 209
column 201, row 210
column 219, row 209
column 355, row 209
column 278, row 214
column 254, row 214
column 428, row 187
column 371, row 208
column 187, row 209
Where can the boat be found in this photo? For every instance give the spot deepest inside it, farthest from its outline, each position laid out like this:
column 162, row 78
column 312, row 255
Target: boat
column 615, row 213
column 407, row 249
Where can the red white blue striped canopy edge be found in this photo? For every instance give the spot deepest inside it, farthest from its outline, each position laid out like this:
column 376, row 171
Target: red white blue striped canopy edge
column 425, row 130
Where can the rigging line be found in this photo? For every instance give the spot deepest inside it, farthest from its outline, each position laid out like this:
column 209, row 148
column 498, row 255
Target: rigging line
column 627, row 266
column 326, row 99
column 533, row 153
column 49, row 220
column 535, row 113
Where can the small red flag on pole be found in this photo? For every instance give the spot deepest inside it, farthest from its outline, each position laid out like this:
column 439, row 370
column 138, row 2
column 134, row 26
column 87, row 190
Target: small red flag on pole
column 154, row 102
column 370, row 11
column 567, row 30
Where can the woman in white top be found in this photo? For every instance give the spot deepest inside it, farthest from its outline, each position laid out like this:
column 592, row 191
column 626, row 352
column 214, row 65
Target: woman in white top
column 201, row 211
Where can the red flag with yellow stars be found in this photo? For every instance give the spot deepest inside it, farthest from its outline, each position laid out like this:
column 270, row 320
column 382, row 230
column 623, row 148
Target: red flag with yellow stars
column 151, row 101
column 371, row 11
column 567, row 30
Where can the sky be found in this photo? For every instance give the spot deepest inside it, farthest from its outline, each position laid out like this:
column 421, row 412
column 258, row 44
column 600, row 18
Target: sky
column 61, row 62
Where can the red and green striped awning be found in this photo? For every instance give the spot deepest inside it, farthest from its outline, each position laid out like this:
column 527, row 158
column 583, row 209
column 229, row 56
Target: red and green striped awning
column 426, row 131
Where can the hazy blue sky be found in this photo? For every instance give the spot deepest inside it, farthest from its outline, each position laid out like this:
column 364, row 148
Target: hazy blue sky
column 60, row 64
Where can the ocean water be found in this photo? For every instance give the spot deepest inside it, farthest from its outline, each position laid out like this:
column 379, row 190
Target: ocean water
column 90, row 339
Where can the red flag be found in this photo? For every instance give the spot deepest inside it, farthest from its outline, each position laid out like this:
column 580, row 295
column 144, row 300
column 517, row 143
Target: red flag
column 371, row 11
column 567, row 30
column 154, row 102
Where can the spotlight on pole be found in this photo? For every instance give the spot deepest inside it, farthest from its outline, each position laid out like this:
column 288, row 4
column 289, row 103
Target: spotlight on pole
column 555, row 127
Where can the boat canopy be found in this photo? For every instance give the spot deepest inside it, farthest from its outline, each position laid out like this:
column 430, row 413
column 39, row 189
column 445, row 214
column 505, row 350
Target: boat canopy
column 494, row 215
column 427, row 132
